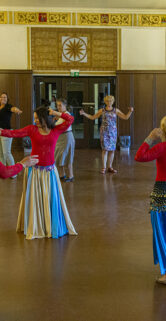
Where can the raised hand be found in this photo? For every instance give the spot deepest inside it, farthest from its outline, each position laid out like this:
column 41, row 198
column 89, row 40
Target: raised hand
column 55, row 113
column 82, row 112
column 155, row 134
column 16, row 110
column 51, row 112
column 131, row 109
column 30, row 161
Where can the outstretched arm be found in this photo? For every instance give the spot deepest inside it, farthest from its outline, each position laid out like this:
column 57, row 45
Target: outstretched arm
column 23, row 132
column 16, row 110
column 9, row 171
column 145, row 153
column 122, row 115
column 68, row 120
column 92, row 117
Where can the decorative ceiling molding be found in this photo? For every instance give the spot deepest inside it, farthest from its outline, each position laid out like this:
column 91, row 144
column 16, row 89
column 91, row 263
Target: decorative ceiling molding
column 83, row 19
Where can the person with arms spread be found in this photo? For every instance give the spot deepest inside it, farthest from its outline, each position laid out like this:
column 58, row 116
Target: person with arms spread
column 64, row 150
column 43, row 211
column 108, row 131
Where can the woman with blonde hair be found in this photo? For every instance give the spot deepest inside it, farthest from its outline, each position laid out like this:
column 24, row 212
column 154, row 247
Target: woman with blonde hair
column 108, row 131
column 147, row 153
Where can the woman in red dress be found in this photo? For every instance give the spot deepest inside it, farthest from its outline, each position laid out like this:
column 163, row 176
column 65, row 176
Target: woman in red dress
column 43, row 211
column 147, row 153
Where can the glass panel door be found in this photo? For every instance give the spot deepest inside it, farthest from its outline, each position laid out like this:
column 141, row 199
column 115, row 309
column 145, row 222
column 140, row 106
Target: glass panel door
column 47, row 89
column 76, row 91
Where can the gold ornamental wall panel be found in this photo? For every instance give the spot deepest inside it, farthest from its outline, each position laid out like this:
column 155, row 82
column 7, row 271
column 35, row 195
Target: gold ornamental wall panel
column 102, row 19
column 152, row 20
column 42, row 18
column 65, row 49
column 3, row 17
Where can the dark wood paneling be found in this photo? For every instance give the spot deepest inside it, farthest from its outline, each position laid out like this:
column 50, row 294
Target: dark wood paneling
column 18, row 85
column 147, row 92
column 24, row 84
column 143, row 104
column 160, row 97
column 123, row 101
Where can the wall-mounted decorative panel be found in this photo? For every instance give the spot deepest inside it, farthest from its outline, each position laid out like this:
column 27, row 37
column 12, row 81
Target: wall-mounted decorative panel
column 152, row 20
column 42, row 18
column 102, row 19
column 66, row 49
column 3, row 17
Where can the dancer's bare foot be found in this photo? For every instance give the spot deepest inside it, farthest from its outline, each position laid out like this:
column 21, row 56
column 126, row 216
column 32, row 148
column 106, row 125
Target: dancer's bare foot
column 162, row 279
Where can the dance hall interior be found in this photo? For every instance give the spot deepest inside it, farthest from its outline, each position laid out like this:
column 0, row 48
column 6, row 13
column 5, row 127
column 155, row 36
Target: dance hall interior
column 82, row 96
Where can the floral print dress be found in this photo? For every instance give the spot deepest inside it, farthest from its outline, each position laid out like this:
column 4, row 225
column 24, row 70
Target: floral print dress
column 108, row 130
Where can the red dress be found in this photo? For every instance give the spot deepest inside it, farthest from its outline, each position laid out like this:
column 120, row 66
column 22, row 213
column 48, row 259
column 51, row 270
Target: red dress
column 8, row 171
column 43, row 211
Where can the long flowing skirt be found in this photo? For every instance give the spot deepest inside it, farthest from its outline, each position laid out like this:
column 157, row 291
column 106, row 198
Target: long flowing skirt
column 43, row 211
column 158, row 220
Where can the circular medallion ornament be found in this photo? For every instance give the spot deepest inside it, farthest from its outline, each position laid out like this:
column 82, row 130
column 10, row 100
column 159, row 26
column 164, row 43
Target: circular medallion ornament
column 74, row 49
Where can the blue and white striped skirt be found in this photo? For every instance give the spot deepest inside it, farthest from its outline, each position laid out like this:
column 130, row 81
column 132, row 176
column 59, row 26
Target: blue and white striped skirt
column 43, row 211
column 158, row 220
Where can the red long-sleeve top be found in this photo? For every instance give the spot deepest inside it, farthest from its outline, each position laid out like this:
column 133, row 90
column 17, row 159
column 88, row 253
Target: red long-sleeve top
column 8, row 171
column 42, row 145
column 158, row 152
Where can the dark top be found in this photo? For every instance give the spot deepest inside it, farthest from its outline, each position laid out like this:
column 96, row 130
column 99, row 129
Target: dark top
column 5, row 116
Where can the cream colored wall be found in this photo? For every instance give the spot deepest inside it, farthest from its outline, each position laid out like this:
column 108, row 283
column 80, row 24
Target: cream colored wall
column 143, row 48
column 13, row 47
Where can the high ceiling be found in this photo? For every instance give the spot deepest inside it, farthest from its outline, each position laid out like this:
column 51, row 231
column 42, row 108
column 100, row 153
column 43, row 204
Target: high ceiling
column 132, row 4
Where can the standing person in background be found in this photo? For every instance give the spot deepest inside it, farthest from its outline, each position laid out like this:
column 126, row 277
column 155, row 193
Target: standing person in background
column 108, row 131
column 6, row 111
column 146, row 153
column 65, row 146
column 53, row 103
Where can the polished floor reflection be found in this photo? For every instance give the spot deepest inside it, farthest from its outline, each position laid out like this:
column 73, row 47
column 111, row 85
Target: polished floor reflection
column 106, row 273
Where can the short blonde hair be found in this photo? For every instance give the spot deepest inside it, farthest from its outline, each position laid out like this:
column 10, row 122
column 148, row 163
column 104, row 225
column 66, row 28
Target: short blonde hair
column 109, row 97
column 163, row 125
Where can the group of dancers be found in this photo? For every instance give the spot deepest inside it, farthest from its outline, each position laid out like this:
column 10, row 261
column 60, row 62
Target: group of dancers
column 43, row 211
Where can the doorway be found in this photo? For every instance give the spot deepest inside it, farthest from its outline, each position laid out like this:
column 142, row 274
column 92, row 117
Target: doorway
column 81, row 92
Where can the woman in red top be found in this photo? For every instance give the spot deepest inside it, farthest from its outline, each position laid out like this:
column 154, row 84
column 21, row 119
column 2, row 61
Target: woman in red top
column 146, row 153
column 43, row 211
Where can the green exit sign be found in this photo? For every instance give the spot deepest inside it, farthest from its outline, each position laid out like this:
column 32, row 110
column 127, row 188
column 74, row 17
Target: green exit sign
column 74, row 73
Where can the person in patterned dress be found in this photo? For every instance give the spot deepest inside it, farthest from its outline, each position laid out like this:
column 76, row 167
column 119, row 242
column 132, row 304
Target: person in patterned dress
column 108, row 131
